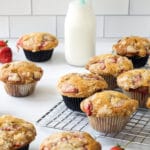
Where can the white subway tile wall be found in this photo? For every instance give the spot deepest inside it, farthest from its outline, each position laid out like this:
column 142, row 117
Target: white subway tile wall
column 140, row 7
column 111, row 7
column 116, row 26
column 4, row 27
column 25, row 24
column 15, row 7
column 115, row 18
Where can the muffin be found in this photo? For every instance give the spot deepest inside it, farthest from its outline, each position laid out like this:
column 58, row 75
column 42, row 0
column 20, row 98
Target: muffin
column 109, row 66
column 38, row 47
column 74, row 87
column 20, row 77
column 135, row 48
column 148, row 103
column 108, row 111
column 16, row 134
column 70, row 141
column 136, row 84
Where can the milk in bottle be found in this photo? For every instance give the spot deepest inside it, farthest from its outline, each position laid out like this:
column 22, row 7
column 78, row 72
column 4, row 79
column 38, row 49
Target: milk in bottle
column 80, row 32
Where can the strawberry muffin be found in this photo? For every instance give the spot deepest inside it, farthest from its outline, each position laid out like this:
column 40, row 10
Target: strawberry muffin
column 16, row 133
column 108, row 111
column 20, row 77
column 38, row 46
column 109, row 66
column 135, row 48
column 136, row 84
column 70, row 141
column 74, row 87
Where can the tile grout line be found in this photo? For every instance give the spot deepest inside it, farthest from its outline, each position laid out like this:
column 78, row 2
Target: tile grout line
column 56, row 30
column 9, row 28
column 129, row 7
column 31, row 4
column 104, row 19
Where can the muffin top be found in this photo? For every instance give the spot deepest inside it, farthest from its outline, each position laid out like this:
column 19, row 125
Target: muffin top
column 70, row 141
column 15, row 133
column 80, row 85
column 109, row 64
column 37, row 41
column 108, row 103
column 134, row 79
column 132, row 46
column 20, row 72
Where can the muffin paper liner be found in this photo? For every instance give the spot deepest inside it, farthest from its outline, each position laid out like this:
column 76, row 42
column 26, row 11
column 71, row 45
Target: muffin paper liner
column 139, row 61
column 20, row 90
column 26, row 147
column 38, row 56
column 108, row 124
column 141, row 97
column 111, row 81
column 73, row 103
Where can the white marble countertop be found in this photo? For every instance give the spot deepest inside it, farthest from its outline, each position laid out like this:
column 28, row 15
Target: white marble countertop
column 31, row 108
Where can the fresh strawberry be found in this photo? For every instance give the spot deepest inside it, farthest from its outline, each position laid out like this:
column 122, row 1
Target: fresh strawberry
column 3, row 43
column 117, row 147
column 5, row 55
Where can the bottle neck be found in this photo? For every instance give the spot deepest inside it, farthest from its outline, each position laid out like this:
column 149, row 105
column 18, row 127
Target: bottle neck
column 77, row 4
column 85, row 2
column 81, row 3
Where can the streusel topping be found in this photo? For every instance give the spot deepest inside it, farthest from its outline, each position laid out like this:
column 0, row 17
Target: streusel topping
column 109, row 103
column 109, row 64
column 37, row 41
column 20, row 72
column 134, row 79
column 70, row 141
column 80, row 85
column 15, row 133
column 132, row 46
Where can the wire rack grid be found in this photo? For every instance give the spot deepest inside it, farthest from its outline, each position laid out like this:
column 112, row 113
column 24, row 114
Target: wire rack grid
column 137, row 130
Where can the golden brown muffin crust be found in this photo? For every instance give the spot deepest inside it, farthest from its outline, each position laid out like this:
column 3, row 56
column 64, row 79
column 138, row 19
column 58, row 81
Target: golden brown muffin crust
column 20, row 72
column 132, row 46
column 134, row 79
column 80, row 85
column 108, row 103
column 148, row 103
column 15, row 133
column 38, row 41
column 70, row 141
column 109, row 64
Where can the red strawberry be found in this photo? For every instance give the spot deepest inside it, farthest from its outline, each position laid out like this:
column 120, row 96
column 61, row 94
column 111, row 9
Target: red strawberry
column 5, row 54
column 117, row 147
column 3, row 43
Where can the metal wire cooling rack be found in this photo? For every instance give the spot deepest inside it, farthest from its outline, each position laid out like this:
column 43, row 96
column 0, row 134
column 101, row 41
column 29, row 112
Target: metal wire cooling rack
column 136, row 131
column 60, row 117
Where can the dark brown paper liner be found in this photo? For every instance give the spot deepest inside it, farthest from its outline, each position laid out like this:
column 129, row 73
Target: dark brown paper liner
column 73, row 103
column 141, row 97
column 139, row 61
column 38, row 56
column 26, row 147
column 20, row 90
column 108, row 124
column 111, row 81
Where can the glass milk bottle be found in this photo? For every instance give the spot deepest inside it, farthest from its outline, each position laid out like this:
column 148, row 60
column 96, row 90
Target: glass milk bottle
column 80, row 32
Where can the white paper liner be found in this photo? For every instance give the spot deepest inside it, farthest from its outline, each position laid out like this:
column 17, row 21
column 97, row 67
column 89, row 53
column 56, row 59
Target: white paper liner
column 108, row 124
column 141, row 97
column 20, row 90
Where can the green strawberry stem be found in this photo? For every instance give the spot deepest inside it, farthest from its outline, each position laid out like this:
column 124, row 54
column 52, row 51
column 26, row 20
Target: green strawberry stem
column 6, row 41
